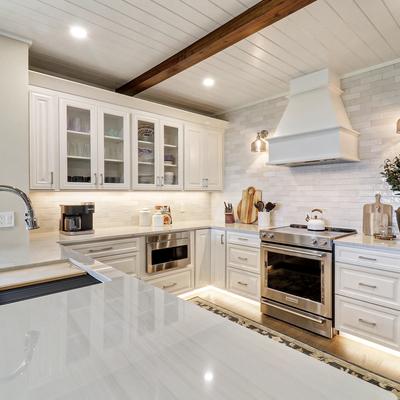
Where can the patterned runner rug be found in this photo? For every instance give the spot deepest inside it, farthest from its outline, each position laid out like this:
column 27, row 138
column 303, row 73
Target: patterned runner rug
column 327, row 358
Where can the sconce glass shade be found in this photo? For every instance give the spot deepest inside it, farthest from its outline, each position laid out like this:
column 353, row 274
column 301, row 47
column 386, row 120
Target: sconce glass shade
column 398, row 126
column 259, row 145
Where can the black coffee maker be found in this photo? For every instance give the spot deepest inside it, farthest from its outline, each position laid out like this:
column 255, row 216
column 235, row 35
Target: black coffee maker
column 77, row 219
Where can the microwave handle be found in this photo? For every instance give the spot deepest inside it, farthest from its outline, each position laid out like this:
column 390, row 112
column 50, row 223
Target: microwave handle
column 295, row 251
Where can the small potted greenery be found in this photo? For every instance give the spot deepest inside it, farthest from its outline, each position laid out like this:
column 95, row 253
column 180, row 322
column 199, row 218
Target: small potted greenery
column 391, row 172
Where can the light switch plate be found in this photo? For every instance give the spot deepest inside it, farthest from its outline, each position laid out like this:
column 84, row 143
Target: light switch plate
column 7, row 219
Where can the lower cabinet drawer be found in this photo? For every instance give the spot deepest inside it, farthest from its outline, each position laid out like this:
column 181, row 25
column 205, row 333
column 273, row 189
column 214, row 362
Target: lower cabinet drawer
column 106, row 247
column 178, row 282
column 242, row 257
column 127, row 263
column 243, row 283
column 374, row 323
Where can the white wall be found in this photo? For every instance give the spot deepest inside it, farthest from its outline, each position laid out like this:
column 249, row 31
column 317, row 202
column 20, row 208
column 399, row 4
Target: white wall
column 372, row 100
column 13, row 132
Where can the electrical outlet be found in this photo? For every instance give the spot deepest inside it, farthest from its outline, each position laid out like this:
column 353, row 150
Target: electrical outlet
column 7, row 219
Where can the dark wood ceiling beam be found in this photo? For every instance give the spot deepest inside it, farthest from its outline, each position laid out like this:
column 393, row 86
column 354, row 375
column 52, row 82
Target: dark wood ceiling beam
column 261, row 15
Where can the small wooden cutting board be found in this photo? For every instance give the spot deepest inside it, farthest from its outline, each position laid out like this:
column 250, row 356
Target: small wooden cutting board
column 246, row 211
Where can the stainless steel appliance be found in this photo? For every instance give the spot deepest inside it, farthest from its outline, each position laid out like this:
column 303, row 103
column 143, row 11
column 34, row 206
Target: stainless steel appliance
column 77, row 219
column 167, row 251
column 297, row 270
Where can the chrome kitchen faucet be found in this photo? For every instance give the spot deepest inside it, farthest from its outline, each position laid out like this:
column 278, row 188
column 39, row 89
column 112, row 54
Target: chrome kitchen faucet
column 30, row 219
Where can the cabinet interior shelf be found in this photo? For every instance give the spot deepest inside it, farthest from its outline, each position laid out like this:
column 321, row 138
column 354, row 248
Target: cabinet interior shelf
column 145, row 142
column 145, row 163
column 113, row 160
column 118, row 139
column 172, row 146
column 78, row 158
column 170, row 165
column 78, row 133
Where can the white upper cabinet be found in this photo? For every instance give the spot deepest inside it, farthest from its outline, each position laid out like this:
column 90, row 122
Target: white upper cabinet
column 157, row 153
column 203, row 158
column 113, row 148
column 78, row 144
column 43, row 133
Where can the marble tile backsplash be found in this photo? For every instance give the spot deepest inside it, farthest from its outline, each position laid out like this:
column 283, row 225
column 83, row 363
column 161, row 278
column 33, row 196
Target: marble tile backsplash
column 120, row 208
column 372, row 101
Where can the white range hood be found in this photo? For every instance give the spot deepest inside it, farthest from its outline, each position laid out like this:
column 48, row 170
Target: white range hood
column 314, row 128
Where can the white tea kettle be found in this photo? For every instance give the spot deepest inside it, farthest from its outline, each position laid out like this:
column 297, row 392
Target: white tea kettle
column 314, row 223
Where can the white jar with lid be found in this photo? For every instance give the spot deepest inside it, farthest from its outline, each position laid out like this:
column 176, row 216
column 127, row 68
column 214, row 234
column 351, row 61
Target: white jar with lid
column 158, row 219
column 144, row 217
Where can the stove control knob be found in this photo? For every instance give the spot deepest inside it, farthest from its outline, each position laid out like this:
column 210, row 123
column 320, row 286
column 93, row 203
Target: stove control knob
column 324, row 243
column 267, row 235
column 314, row 242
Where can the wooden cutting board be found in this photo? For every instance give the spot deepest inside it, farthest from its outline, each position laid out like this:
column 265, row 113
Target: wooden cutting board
column 246, row 211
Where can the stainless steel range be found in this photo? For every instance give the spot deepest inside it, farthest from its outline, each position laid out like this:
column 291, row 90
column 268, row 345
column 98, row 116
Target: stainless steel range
column 297, row 270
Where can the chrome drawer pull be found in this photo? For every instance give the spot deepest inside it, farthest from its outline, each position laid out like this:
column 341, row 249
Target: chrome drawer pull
column 169, row 286
column 366, row 285
column 243, row 283
column 103, row 249
column 366, row 322
column 243, row 239
column 367, row 258
column 243, row 258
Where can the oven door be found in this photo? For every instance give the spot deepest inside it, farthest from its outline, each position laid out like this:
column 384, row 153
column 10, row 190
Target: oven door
column 297, row 277
column 167, row 254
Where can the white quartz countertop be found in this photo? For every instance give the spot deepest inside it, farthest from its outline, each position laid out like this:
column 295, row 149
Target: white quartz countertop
column 128, row 340
column 361, row 240
column 44, row 247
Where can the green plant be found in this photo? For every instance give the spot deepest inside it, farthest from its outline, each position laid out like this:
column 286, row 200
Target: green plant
column 391, row 171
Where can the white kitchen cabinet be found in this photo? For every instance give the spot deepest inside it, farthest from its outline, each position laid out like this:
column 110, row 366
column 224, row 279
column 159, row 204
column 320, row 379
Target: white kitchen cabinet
column 43, row 135
column 113, row 148
column 203, row 158
column 94, row 145
column 157, row 153
column 202, row 258
column 218, row 258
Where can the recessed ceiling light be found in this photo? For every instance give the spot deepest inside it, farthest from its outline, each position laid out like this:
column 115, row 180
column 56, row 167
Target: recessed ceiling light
column 78, row 32
column 208, row 82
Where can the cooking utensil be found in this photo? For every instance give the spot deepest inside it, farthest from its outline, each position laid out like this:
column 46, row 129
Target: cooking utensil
column 270, row 206
column 247, row 213
column 260, row 206
column 376, row 216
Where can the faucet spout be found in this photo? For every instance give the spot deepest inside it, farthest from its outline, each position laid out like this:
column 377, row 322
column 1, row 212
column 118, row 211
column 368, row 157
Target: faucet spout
column 30, row 219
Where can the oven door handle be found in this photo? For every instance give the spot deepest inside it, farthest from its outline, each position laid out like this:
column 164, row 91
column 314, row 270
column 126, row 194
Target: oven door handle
column 288, row 251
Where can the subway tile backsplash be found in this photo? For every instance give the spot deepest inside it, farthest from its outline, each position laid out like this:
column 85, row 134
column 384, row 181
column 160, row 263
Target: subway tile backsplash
column 372, row 101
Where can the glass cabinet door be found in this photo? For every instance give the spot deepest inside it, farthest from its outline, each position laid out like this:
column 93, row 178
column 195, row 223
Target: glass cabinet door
column 171, row 155
column 78, row 144
column 146, row 148
column 113, row 149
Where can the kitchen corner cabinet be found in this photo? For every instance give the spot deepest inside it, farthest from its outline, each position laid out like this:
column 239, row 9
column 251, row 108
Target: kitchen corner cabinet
column 218, row 258
column 203, row 158
column 94, row 145
column 43, row 137
column 202, row 258
column 157, row 153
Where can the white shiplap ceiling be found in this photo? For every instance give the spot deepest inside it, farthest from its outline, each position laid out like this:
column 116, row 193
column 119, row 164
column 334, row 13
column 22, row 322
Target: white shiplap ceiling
column 127, row 37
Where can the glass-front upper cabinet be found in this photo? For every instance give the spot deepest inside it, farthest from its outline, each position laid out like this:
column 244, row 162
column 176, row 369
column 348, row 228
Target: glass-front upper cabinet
column 113, row 150
column 171, row 155
column 145, row 163
column 78, row 144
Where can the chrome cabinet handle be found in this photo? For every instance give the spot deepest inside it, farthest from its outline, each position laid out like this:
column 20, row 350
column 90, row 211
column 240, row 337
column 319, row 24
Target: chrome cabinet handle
column 203, row 184
column 367, row 258
column 52, row 178
column 243, row 258
column 366, row 285
column 364, row 321
column 170, row 285
column 95, row 178
column 243, row 239
column 222, row 239
column 206, row 179
column 162, row 181
column 98, row 250
column 243, row 283
column 101, row 179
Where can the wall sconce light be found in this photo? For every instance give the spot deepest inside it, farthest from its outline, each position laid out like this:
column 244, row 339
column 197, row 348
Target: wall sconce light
column 260, row 144
column 398, row 126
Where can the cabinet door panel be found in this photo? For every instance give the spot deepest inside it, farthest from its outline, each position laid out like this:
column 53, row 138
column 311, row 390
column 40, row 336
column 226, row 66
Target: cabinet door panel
column 146, row 153
column 43, row 131
column 78, row 144
column 213, row 160
column 218, row 261
column 114, row 151
column 202, row 258
column 194, row 139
